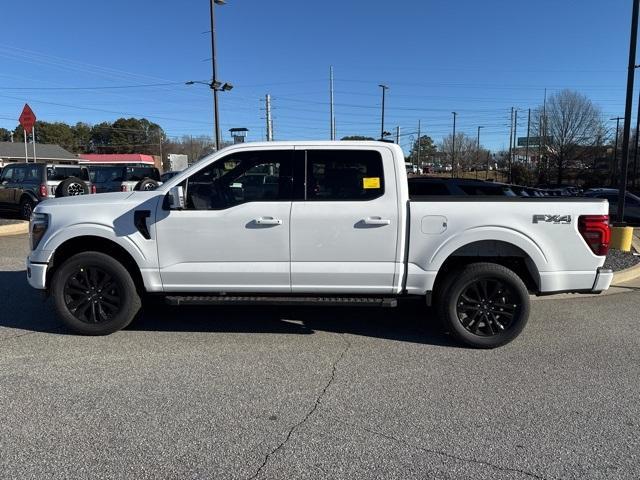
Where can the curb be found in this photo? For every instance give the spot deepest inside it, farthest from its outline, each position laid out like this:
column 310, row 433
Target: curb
column 14, row 229
column 626, row 275
column 630, row 273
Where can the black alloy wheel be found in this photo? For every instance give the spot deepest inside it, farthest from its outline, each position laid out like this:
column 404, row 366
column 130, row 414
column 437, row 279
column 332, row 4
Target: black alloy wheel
column 483, row 305
column 92, row 295
column 26, row 209
column 487, row 307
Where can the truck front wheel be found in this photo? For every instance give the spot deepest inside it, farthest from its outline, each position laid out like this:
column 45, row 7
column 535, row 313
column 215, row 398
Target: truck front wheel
column 485, row 306
column 94, row 294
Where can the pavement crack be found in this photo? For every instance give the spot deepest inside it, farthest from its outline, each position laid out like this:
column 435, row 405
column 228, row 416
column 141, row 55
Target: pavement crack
column 450, row 455
column 308, row 415
column 17, row 336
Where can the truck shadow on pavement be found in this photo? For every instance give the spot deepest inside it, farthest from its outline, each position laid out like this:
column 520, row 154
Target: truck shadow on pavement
column 23, row 308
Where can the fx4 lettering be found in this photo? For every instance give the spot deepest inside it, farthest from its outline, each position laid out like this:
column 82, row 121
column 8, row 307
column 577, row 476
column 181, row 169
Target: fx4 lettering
column 555, row 219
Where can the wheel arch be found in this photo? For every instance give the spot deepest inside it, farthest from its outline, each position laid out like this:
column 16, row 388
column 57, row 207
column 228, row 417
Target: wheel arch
column 27, row 194
column 499, row 252
column 94, row 243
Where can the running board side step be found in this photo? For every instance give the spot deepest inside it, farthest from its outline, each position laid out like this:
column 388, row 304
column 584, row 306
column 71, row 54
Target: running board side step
column 288, row 301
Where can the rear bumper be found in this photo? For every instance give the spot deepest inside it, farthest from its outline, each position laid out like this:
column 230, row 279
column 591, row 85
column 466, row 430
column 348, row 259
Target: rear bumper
column 604, row 277
column 37, row 274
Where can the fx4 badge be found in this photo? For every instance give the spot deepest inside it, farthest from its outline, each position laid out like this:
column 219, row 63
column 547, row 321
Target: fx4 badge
column 555, row 219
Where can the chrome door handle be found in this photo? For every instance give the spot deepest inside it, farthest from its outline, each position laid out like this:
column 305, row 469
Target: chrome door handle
column 377, row 221
column 268, row 221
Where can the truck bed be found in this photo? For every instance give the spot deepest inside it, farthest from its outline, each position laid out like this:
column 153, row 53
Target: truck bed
column 543, row 230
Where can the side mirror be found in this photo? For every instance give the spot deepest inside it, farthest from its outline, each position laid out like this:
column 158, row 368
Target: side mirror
column 176, row 198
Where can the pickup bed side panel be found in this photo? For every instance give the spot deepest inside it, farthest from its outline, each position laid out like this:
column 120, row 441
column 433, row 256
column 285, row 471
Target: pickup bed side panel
column 557, row 251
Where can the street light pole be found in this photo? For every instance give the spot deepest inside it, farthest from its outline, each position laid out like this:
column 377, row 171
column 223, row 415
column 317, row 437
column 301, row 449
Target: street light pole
column 622, row 192
column 214, row 80
column 453, row 145
column 384, row 89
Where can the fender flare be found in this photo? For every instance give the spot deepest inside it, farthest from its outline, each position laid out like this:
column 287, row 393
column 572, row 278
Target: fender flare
column 490, row 233
column 94, row 230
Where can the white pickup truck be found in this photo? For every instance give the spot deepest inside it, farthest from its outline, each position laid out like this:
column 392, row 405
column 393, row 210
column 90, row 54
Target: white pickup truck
column 314, row 222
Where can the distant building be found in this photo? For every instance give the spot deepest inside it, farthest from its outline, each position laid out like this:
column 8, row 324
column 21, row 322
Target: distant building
column 117, row 158
column 13, row 152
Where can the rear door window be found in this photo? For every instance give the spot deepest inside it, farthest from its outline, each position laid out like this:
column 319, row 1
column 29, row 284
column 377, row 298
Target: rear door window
column 343, row 175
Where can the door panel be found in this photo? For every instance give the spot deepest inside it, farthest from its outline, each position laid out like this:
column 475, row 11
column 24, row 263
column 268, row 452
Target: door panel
column 344, row 235
column 233, row 235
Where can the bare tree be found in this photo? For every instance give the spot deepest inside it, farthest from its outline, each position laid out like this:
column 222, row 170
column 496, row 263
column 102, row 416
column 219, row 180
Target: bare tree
column 570, row 122
column 465, row 154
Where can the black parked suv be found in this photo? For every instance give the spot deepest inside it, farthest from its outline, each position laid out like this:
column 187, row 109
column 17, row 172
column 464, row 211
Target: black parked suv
column 24, row 185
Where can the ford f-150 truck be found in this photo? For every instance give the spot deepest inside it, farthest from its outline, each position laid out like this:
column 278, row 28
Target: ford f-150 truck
column 328, row 223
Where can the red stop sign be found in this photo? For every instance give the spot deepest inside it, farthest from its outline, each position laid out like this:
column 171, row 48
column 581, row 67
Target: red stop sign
column 27, row 118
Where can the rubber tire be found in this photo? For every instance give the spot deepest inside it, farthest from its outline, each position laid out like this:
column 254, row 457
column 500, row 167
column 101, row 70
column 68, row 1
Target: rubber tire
column 23, row 204
column 61, row 189
column 130, row 306
column 145, row 181
column 448, row 298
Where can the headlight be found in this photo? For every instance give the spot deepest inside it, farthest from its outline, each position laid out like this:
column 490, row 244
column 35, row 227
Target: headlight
column 37, row 227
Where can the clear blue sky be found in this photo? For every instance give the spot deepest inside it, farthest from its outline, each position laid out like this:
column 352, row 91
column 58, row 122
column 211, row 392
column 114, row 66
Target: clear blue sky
column 478, row 58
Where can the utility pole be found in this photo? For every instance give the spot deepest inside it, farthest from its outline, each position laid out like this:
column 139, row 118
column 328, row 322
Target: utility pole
column 453, row 145
column 622, row 192
column 269, row 121
column 543, row 141
column 635, row 150
column 486, row 176
column 614, row 166
column 478, row 153
column 384, row 89
column 33, row 137
column 214, row 80
column 526, row 151
column 419, row 145
column 510, row 145
column 398, row 134
column 515, row 143
column 332, row 120
column 26, row 152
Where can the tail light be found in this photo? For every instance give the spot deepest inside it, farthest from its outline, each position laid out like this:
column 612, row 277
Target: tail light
column 93, row 189
column 123, row 188
column 43, row 190
column 596, row 232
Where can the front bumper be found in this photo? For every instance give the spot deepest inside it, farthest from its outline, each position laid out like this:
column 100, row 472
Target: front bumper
column 604, row 277
column 37, row 274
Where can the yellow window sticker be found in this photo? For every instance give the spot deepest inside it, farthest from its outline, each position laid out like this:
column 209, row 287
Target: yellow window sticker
column 371, row 182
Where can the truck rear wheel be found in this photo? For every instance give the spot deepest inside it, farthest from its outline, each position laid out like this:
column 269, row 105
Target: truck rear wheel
column 94, row 294
column 485, row 305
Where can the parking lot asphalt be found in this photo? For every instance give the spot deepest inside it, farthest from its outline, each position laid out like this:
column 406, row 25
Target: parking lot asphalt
column 199, row 393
